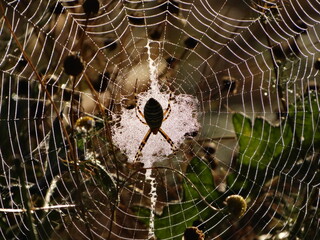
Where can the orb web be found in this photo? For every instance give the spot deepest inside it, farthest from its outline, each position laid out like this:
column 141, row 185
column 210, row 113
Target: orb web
column 243, row 76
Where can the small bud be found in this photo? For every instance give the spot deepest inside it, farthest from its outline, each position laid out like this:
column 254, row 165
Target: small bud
column 209, row 148
column 85, row 124
column 91, row 7
column 236, row 205
column 73, row 65
column 193, row 233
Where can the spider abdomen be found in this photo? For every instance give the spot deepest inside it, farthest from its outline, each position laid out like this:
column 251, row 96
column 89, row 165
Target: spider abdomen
column 153, row 114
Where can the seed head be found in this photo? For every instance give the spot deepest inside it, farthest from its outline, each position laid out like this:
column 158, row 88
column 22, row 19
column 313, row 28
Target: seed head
column 236, row 205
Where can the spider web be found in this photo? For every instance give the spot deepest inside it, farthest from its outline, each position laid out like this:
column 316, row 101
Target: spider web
column 243, row 76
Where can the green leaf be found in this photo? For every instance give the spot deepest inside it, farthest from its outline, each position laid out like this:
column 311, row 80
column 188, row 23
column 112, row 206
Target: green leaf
column 176, row 217
column 106, row 181
column 261, row 143
column 305, row 119
column 237, row 182
column 200, row 175
column 143, row 213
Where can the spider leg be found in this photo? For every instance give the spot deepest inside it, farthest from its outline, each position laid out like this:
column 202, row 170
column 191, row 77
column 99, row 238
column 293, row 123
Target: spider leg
column 166, row 137
column 139, row 117
column 137, row 109
column 167, row 112
column 143, row 142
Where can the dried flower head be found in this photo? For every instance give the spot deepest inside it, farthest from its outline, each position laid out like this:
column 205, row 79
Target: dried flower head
column 193, row 233
column 236, row 205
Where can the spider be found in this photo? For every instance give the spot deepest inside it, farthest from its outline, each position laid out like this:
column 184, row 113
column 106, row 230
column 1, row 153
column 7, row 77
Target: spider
column 154, row 116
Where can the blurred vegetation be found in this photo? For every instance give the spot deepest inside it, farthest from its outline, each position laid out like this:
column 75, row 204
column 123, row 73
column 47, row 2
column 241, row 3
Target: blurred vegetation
column 66, row 178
